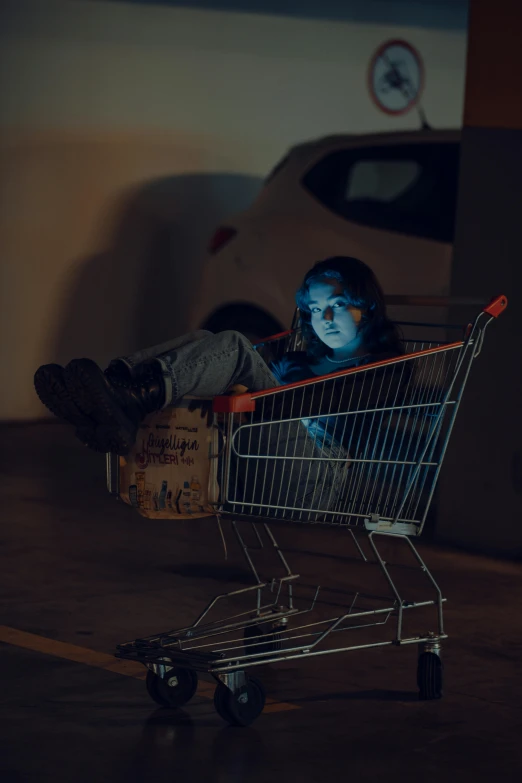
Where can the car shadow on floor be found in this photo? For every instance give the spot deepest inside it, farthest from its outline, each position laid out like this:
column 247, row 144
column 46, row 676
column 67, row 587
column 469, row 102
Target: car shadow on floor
column 377, row 694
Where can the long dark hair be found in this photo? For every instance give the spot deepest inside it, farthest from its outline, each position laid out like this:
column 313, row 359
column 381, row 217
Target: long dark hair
column 361, row 287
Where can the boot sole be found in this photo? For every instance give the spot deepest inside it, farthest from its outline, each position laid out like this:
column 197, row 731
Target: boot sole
column 53, row 392
column 88, row 386
column 51, row 388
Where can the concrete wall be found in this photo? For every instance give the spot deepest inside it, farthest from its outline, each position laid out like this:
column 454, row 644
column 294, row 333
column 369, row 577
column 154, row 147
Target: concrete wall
column 127, row 132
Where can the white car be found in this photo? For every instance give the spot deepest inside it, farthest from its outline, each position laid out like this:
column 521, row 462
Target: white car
column 388, row 199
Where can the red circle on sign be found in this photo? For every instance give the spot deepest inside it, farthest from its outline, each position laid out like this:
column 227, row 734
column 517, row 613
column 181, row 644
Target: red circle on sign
column 382, row 48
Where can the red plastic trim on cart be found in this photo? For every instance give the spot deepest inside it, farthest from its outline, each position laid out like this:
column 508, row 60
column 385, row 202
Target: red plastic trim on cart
column 273, row 337
column 496, row 306
column 241, row 403
column 237, row 403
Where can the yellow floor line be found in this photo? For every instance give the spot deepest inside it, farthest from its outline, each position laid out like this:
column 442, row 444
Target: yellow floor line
column 279, row 706
column 72, row 652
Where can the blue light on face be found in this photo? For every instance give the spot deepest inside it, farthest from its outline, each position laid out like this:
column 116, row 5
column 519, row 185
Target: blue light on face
column 333, row 319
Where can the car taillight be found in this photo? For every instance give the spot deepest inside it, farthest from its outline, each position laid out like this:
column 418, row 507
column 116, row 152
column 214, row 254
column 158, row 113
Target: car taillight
column 223, row 235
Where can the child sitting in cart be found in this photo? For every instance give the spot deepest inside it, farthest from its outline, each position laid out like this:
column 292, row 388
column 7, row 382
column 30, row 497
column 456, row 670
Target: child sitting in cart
column 344, row 325
column 296, row 454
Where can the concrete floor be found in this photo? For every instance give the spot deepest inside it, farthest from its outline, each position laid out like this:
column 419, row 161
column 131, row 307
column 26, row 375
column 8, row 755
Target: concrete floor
column 79, row 568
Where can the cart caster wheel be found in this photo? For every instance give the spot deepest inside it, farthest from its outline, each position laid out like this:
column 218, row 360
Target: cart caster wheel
column 270, row 642
column 242, row 707
column 429, row 676
column 175, row 689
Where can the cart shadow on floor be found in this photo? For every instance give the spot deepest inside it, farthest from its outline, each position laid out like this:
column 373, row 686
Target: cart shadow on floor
column 377, row 694
column 216, row 572
column 351, row 559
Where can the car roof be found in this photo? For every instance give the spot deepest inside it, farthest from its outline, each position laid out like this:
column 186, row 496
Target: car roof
column 307, row 152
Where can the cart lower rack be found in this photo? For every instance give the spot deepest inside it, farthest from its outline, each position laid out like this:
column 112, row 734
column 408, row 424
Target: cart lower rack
column 360, row 450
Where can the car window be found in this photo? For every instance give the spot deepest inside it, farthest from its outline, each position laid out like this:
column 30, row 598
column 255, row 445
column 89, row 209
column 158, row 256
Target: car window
column 410, row 189
column 381, row 180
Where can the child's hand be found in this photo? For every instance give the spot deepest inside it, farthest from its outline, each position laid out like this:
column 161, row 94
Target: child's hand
column 205, row 406
column 237, row 388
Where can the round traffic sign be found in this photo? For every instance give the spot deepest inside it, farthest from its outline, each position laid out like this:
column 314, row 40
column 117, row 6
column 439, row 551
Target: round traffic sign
column 396, row 77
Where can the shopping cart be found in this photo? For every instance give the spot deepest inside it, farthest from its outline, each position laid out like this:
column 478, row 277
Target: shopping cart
column 360, row 450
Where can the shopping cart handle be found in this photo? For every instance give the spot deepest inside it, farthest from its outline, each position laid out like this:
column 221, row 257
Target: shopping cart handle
column 496, row 306
column 235, row 403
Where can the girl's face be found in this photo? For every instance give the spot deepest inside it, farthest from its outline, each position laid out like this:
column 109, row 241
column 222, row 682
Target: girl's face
column 334, row 320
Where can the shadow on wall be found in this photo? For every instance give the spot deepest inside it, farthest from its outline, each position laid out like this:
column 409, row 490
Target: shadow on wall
column 140, row 291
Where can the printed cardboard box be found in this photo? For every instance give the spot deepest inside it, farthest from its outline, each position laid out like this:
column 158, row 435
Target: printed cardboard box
column 172, row 471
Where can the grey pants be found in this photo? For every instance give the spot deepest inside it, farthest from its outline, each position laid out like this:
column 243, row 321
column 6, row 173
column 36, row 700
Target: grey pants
column 206, row 365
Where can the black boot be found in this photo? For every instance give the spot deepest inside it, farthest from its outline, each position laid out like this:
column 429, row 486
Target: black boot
column 51, row 388
column 117, row 406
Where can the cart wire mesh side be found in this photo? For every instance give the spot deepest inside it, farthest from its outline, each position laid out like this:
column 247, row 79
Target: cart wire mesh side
column 359, row 447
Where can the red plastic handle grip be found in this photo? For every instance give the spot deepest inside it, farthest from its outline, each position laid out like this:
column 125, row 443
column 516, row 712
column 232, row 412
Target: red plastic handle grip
column 237, row 403
column 496, row 306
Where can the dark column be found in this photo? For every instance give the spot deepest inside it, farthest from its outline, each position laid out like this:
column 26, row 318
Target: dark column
column 480, row 494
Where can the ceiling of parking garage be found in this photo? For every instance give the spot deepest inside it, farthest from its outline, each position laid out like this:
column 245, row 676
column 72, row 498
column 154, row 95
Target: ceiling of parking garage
column 445, row 14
